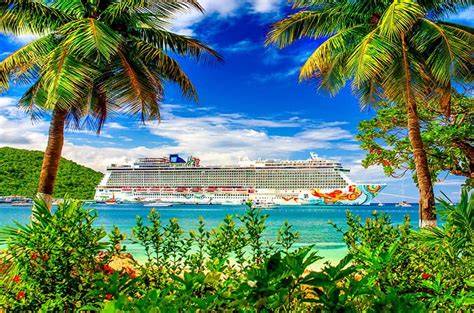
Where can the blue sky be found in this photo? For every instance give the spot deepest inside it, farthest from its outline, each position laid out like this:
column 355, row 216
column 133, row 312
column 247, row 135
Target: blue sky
column 250, row 106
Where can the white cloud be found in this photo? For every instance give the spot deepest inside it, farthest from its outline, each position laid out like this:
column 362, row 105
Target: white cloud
column 216, row 139
column 4, row 54
column 465, row 16
column 265, row 6
column 276, row 75
column 222, row 8
column 115, row 125
column 23, row 39
column 7, row 102
column 241, row 46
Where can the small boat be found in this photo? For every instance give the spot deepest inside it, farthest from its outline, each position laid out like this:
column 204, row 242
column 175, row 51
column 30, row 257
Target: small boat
column 22, row 203
column 111, row 201
column 403, row 204
column 264, row 205
column 380, row 204
column 158, row 204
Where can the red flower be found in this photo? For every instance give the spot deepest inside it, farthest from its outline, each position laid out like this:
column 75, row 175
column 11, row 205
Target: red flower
column 16, row 279
column 109, row 296
column 426, row 276
column 20, row 295
column 130, row 272
column 108, row 269
column 34, row 256
column 45, row 257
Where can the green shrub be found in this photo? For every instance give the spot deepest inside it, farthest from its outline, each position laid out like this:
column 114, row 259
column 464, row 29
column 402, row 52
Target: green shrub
column 54, row 262
column 60, row 262
column 431, row 268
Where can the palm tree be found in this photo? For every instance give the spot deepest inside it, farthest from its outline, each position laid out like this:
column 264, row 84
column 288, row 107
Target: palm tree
column 93, row 58
column 395, row 50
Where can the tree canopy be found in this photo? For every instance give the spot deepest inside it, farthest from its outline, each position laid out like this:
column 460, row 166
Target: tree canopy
column 94, row 58
column 19, row 171
column 448, row 140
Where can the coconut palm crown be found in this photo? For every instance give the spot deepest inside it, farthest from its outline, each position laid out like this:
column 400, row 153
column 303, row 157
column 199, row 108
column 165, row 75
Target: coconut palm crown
column 92, row 58
column 395, row 50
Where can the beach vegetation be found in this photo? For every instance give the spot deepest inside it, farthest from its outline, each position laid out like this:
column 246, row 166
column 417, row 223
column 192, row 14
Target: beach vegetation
column 54, row 262
column 93, row 59
column 61, row 261
column 400, row 51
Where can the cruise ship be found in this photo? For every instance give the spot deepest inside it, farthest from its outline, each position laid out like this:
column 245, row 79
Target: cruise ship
column 267, row 182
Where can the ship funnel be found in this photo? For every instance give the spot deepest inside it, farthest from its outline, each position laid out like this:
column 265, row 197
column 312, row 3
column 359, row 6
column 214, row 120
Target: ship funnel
column 313, row 155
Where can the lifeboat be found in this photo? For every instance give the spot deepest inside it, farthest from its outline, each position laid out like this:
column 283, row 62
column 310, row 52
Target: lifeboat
column 211, row 189
column 196, row 189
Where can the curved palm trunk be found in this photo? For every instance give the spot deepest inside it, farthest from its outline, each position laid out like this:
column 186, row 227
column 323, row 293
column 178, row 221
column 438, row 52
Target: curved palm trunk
column 52, row 156
column 425, row 186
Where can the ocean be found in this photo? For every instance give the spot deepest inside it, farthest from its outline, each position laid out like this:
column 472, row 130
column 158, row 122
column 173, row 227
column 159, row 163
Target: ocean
column 312, row 222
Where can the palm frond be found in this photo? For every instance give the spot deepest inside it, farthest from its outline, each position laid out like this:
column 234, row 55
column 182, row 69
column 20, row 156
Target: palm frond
column 89, row 37
column 309, row 24
column 370, row 58
column 158, row 64
column 72, row 8
column 20, row 17
column 400, row 17
column 159, row 8
column 22, row 65
column 179, row 44
column 329, row 60
column 130, row 89
column 66, row 79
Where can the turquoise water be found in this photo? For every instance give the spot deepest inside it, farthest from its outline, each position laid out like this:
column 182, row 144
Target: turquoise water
column 310, row 221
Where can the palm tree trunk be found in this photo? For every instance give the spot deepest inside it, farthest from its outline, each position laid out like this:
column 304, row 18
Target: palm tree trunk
column 52, row 156
column 427, row 202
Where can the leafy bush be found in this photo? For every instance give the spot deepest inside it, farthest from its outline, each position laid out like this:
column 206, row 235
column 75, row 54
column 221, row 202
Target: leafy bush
column 431, row 268
column 61, row 262
column 54, row 262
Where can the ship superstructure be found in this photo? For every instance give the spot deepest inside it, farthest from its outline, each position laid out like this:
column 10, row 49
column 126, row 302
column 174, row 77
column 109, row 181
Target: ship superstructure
column 281, row 182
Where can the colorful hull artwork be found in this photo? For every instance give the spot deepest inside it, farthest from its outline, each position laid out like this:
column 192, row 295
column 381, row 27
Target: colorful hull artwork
column 314, row 181
column 354, row 195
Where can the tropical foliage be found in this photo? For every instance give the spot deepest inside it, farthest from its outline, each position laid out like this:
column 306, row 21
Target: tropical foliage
column 448, row 141
column 92, row 59
column 19, row 172
column 392, row 50
column 62, row 262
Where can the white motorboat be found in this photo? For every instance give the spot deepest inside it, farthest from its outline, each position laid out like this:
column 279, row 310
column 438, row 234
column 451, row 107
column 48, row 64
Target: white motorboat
column 403, row 204
column 158, row 204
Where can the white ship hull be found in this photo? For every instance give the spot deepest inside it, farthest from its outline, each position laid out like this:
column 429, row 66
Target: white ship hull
column 352, row 195
column 272, row 182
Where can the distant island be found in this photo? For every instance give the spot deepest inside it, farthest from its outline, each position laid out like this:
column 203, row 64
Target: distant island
column 19, row 172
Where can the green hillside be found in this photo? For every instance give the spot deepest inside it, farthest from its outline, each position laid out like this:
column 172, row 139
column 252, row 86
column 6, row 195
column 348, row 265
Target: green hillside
column 19, row 172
